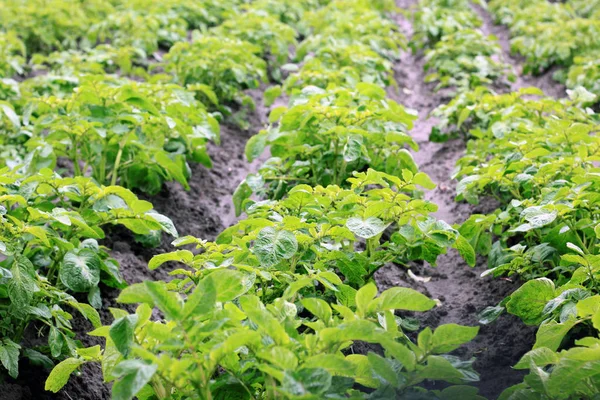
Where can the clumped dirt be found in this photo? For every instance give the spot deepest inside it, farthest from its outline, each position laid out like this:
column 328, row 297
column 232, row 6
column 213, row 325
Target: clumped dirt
column 206, row 209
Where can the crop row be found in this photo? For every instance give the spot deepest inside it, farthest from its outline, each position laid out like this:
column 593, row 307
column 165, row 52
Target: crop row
column 279, row 304
column 537, row 157
column 562, row 34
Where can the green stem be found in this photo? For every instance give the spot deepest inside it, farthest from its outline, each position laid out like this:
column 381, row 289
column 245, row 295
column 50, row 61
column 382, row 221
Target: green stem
column 75, row 158
column 113, row 180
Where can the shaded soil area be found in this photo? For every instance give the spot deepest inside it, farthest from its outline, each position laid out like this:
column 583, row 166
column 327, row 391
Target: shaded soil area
column 206, row 209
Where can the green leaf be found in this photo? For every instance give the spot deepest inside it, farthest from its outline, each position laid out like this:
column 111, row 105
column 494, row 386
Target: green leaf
column 133, row 376
column 465, row 249
column 258, row 314
column 552, row 333
column 203, row 299
column 61, row 373
column 366, row 228
column 143, row 104
column 529, row 300
column 541, row 357
column 273, row 245
column 271, row 94
column 451, row 336
column 364, row 297
column 423, row 180
column 11, row 115
column 400, row 298
column 136, row 293
column 383, row 369
column 182, row 256
column 122, row 331
column 318, row 308
column 242, row 192
column 353, row 148
column 256, row 146
column 276, row 114
column 80, row 270
column 168, row 302
column 9, row 356
column 306, row 382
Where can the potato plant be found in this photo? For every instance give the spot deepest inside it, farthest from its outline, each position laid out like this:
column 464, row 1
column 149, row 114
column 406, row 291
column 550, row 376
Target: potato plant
column 315, row 233
column 12, row 55
column 438, row 18
column 325, row 135
column 102, row 59
column 464, row 60
column 339, row 65
column 538, row 157
column 220, row 339
column 138, row 134
column 354, row 22
column 218, row 69
column 140, row 30
column 49, row 232
column 273, row 37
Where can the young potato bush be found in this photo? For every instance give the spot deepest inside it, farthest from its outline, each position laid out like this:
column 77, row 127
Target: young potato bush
column 47, row 26
column 142, row 31
column 218, row 69
column 49, row 232
column 337, row 64
column 315, row 233
column 139, row 134
column 325, row 135
column 12, row 55
column 436, row 19
column 219, row 339
column 465, row 60
column 274, row 37
column 354, row 23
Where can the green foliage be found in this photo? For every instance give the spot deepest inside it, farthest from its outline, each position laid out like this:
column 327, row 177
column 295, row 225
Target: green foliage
column 49, row 232
column 220, row 337
column 290, row 12
column 139, row 30
column 326, row 134
column 567, row 374
column 337, row 64
column 46, row 26
column 465, row 59
column 197, row 14
column 548, row 34
column 585, row 72
column 12, row 55
column 139, row 134
column 218, row 69
column 329, row 223
column 99, row 60
column 273, row 37
column 438, row 18
column 354, row 22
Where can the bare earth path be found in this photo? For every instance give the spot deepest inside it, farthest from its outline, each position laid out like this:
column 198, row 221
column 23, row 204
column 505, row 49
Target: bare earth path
column 463, row 294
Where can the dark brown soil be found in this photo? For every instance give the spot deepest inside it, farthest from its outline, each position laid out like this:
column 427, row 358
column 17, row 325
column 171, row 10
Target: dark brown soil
column 206, row 209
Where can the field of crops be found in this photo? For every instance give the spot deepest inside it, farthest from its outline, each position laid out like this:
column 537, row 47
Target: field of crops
column 299, row 199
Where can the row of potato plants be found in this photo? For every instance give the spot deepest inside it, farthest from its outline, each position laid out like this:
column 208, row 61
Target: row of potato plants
column 536, row 156
column 458, row 55
column 112, row 130
column 278, row 305
column 562, row 34
column 52, row 261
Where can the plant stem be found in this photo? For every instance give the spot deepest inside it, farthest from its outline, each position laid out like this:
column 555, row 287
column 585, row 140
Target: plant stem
column 113, row 180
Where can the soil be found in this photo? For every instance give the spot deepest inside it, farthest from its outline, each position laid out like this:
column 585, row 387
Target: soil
column 206, row 209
